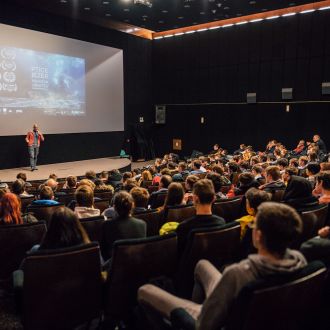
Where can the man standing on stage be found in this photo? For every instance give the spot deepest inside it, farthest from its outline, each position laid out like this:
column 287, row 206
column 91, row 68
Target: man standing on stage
column 33, row 141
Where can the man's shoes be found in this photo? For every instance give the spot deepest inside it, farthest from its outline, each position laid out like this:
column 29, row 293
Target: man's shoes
column 35, row 169
column 32, row 169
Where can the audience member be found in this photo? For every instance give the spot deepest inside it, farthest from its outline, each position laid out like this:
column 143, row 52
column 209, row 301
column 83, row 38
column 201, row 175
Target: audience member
column 46, row 197
column 140, row 197
column 18, row 188
column 84, row 196
column 273, row 180
column 164, row 182
column 122, row 227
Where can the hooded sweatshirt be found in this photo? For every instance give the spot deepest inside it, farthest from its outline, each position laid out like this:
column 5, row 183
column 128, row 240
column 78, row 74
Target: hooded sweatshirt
column 215, row 309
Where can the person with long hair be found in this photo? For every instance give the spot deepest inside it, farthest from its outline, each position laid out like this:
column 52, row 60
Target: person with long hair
column 10, row 211
column 65, row 230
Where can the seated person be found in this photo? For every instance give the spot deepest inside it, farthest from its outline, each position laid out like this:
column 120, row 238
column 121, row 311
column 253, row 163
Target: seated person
column 18, row 188
column 190, row 181
column 174, row 198
column 104, row 176
column 298, row 194
column 70, row 183
column 46, row 197
column 322, row 188
column 217, row 182
column 124, row 226
column 90, row 175
column 129, row 185
column 52, row 183
column 183, row 173
column 10, row 211
column 257, row 172
column 253, row 198
column 84, row 197
column 115, row 178
column 277, row 226
column 140, row 197
column 246, row 181
column 145, row 176
column 273, row 180
column 196, row 167
column 312, row 170
column 23, row 176
column 64, row 230
column 101, row 186
column 164, row 182
column 203, row 198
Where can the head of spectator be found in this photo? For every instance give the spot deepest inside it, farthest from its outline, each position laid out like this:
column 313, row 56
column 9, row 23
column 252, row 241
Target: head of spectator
column 174, row 195
column 84, row 196
column 293, row 162
column 104, row 175
column 90, row 175
column 277, row 226
column 165, row 181
column 126, row 176
column 146, row 176
column 87, row 182
column 303, row 160
column 288, row 173
column 254, row 198
column 52, row 184
column 123, row 204
column 313, row 168
column 203, row 196
column 257, row 171
column 190, row 181
column 3, row 191
column 10, row 210
column 71, row 182
column 273, row 173
column 53, row 176
column 65, row 230
column 282, row 163
column 21, row 176
column 46, row 193
column 325, row 166
column 165, row 171
column 323, row 186
column 140, row 197
column 129, row 185
column 18, row 187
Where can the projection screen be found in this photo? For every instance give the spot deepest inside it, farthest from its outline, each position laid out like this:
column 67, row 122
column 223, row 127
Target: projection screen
column 64, row 85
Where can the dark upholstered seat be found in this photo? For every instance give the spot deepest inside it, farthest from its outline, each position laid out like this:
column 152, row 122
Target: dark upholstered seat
column 101, row 204
column 62, row 288
column 43, row 212
column 180, row 213
column 25, row 202
column 15, row 241
column 219, row 245
column 153, row 219
column 228, row 209
column 134, row 263
column 93, row 227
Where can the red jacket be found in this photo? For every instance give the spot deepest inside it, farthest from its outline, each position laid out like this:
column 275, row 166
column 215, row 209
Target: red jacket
column 30, row 138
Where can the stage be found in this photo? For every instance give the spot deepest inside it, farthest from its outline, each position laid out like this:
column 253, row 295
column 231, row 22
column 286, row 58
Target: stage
column 62, row 170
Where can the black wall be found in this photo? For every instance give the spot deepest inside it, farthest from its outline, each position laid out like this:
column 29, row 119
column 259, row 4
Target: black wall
column 137, row 80
column 221, row 66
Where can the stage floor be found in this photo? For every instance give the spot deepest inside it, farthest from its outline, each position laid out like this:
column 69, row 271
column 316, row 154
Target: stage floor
column 62, row 170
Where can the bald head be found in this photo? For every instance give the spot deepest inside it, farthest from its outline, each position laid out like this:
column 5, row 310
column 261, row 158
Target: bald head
column 52, row 184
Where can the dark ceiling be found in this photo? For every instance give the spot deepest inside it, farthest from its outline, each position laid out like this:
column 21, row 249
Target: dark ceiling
column 164, row 14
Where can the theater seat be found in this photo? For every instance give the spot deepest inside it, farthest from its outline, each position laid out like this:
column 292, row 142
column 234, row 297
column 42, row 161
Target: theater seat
column 25, row 202
column 286, row 303
column 43, row 212
column 93, row 227
column 153, row 220
column 135, row 262
column 219, row 245
column 62, row 288
column 229, row 209
column 180, row 213
column 101, row 204
column 15, row 241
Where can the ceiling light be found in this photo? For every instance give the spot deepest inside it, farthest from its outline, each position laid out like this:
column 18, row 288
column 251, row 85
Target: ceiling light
column 256, row 20
column 214, row 27
column 146, row 3
column 307, row 11
column 179, row 34
column 273, row 17
column 157, row 38
column 190, row 32
column 324, row 8
column 168, row 36
column 288, row 14
column 201, row 30
column 227, row 25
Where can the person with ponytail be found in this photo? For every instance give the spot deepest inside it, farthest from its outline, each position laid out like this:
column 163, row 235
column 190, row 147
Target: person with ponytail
column 124, row 226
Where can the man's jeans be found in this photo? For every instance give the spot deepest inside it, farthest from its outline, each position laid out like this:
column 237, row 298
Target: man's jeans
column 33, row 152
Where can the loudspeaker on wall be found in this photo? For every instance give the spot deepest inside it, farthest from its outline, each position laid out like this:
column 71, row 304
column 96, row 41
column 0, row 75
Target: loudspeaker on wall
column 160, row 114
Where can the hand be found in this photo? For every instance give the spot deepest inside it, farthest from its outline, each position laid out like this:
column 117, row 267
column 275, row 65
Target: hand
column 324, row 232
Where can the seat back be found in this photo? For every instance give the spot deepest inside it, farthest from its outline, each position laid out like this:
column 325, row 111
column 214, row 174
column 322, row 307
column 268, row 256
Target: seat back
column 277, row 195
column 228, row 209
column 160, row 200
column 146, row 184
column 280, row 303
column 134, row 263
column 62, row 288
column 178, row 214
column 153, row 221
column 152, row 188
column 101, row 204
column 16, row 240
column 25, row 202
column 312, row 222
column 93, row 227
column 43, row 212
column 219, row 245
column 106, row 195
column 66, row 199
